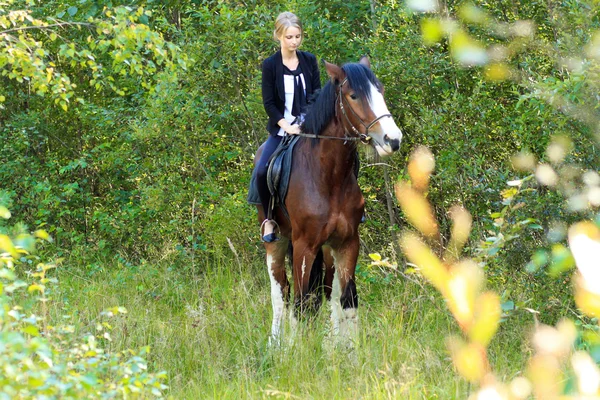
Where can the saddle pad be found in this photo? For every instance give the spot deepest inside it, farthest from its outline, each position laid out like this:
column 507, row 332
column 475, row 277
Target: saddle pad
column 278, row 175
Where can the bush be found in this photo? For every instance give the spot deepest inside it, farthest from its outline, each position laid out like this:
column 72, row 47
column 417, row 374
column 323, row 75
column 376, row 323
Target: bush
column 39, row 360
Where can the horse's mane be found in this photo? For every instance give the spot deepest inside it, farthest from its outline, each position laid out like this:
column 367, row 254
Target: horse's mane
column 321, row 110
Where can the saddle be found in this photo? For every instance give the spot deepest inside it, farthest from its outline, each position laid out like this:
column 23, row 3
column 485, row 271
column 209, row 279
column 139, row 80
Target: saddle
column 278, row 174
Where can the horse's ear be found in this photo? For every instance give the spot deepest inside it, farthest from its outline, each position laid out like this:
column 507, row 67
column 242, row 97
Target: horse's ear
column 335, row 73
column 364, row 60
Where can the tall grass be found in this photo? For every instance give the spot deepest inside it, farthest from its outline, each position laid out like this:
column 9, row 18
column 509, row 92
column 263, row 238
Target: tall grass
column 208, row 328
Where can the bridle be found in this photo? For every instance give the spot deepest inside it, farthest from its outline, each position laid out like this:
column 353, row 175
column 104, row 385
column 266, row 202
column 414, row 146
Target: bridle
column 363, row 137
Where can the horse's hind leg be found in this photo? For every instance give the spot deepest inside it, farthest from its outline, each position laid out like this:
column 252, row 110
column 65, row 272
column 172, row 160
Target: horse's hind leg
column 329, row 271
column 280, row 288
column 344, row 297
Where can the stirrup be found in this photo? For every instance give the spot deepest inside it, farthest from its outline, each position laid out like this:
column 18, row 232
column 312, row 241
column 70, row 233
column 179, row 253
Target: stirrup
column 271, row 237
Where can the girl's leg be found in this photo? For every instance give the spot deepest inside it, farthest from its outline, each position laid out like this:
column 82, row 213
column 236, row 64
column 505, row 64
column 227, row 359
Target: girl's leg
column 262, row 186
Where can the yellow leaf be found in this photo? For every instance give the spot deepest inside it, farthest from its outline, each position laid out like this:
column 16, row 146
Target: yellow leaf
column 497, row 72
column 7, row 245
column 461, row 228
column 464, row 284
column 509, row 193
column 544, row 373
column 588, row 374
column 31, row 330
column 417, row 210
column 375, row 256
column 523, row 161
column 587, row 300
column 34, row 382
column 431, row 30
column 420, row 167
column 487, row 317
column 584, row 241
column 473, row 14
column 428, row 264
column 4, row 213
column 42, row 234
column 469, row 359
column 467, row 50
column 556, row 342
column 36, row 288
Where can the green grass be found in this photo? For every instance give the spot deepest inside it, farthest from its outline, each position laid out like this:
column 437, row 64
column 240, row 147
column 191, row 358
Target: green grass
column 208, row 326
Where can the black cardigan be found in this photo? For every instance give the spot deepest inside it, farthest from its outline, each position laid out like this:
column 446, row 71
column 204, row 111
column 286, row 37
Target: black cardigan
column 273, row 92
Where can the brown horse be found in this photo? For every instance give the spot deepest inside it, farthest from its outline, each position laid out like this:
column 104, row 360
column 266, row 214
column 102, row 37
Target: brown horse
column 324, row 202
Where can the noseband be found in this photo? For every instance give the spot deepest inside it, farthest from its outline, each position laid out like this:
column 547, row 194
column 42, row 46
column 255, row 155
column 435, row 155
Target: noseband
column 363, row 137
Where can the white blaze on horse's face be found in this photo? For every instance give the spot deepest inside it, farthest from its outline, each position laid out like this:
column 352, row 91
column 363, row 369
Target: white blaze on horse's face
column 386, row 134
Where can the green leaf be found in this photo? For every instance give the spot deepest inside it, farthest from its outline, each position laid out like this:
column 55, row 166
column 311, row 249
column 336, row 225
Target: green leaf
column 72, row 11
column 538, row 260
column 562, row 260
column 508, row 305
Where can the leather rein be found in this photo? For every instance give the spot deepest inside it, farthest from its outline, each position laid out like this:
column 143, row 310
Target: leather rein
column 358, row 136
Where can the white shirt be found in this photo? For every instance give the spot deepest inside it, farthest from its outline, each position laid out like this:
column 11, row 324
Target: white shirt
column 288, row 83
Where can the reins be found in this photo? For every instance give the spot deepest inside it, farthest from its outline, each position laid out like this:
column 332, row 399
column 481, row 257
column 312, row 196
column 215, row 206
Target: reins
column 362, row 137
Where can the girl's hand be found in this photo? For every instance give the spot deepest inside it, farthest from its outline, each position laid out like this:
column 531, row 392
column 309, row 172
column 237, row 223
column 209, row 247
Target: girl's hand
column 293, row 130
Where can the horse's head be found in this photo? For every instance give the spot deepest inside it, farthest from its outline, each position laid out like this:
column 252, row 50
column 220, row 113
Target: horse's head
column 362, row 108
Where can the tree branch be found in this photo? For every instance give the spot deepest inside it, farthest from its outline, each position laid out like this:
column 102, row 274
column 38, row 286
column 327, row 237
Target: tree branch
column 46, row 26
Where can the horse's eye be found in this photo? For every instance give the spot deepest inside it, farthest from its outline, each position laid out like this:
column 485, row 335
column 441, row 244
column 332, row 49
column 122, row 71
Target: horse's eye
column 353, row 96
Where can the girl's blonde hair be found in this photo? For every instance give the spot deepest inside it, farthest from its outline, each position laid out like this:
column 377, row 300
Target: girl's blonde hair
column 284, row 21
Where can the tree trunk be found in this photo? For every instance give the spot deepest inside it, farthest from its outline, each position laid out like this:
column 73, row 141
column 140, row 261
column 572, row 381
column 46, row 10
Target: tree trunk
column 373, row 20
column 388, row 196
column 175, row 18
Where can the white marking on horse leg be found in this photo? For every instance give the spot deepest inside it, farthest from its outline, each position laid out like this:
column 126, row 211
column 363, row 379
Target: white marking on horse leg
column 334, row 302
column 351, row 323
column 292, row 326
column 303, row 267
column 277, row 303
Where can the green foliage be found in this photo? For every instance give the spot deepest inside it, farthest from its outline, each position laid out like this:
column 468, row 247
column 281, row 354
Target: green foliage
column 150, row 162
column 103, row 49
column 55, row 361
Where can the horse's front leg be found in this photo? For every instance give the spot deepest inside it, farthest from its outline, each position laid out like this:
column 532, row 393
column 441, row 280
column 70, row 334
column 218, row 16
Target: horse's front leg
column 344, row 297
column 308, row 273
column 280, row 288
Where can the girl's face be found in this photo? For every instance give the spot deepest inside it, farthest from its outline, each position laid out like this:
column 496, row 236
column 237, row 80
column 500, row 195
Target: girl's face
column 291, row 39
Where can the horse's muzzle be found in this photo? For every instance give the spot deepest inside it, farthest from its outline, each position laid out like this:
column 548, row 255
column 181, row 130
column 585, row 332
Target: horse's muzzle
column 393, row 143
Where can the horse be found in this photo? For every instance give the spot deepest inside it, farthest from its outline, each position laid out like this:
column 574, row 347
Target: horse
column 324, row 202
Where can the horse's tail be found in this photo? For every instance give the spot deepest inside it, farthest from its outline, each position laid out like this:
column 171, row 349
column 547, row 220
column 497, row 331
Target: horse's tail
column 313, row 299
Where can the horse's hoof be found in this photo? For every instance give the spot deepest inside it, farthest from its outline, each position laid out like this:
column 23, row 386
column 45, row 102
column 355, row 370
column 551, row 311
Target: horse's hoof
column 270, row 238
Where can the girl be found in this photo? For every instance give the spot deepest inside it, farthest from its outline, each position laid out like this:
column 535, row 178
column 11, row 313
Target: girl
column 289, row 78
